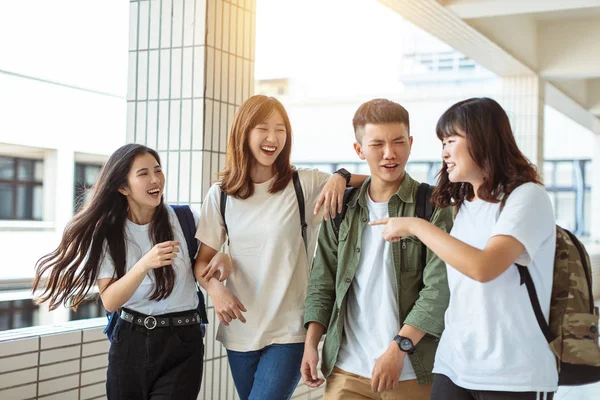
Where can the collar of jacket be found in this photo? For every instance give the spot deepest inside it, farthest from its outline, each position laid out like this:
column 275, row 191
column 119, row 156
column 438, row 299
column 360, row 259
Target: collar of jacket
column 406, row 192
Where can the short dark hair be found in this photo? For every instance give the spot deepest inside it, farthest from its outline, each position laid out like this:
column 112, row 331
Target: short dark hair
column 379, row 111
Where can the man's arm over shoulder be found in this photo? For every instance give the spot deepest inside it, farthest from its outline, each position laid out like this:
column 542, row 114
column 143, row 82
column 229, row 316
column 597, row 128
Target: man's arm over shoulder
column 427, row 314
column 320, row 294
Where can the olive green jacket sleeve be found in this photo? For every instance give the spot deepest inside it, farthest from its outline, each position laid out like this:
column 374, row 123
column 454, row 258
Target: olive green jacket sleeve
column 428, row 312
column 320, row 294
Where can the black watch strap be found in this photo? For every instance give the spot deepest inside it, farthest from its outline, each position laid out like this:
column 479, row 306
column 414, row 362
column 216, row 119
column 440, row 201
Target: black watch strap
column 405, row 344
column 345, row 174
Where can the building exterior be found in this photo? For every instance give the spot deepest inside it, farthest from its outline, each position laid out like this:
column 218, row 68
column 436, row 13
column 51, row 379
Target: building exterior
column 176, row 84
column 62, row 97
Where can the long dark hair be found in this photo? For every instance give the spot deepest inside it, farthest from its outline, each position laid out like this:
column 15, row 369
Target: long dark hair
column 73, row 267
column 235, row 178
column 491, row 143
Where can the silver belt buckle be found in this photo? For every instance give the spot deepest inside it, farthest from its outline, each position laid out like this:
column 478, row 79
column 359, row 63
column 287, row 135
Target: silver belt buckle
column 150, row 322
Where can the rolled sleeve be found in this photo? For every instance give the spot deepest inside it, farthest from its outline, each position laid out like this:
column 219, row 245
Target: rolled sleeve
column 320, row 294
column 211, row 227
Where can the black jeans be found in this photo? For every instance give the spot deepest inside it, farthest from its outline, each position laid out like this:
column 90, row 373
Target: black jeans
column 445, row 389
column 163, row 363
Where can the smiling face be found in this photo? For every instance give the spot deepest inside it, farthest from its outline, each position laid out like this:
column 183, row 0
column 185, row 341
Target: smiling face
column 145, row 183
column 459, row 164
column 267, row 139
column 386, row 148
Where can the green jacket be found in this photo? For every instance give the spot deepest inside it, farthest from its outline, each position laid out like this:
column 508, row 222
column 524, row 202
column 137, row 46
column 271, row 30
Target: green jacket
column 422, row 294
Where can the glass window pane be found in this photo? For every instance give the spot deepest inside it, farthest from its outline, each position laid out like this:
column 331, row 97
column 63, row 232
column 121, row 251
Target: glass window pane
column 6, row 201
column 565, row 208
column 587, row 212
column 22, row 319
column 4, row 305
column 4, row 322
column 418, row 171
column 38, row 202
column 24, row 202
column 91, row 174
column 39, row 171
column 564, row 174
column 548, row 168
column 588, row 172
column 25, row 170
column 7, row 168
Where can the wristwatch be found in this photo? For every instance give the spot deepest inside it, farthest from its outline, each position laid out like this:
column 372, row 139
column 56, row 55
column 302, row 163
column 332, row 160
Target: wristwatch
column 406, row 345
column 345, row 174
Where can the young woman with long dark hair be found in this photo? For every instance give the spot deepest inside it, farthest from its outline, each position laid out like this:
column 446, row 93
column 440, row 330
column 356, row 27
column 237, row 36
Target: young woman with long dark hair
column 492, row 347
column 129, row 243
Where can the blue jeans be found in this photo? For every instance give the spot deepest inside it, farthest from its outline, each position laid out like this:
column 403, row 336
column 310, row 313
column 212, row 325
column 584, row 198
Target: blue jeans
column 271, row 373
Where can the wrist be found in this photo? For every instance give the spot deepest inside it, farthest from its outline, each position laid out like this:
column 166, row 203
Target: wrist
column 414, row 225
column 141, row 267
column 404, row 344
column 344, row 174
column 213, row 285
column 394, row 349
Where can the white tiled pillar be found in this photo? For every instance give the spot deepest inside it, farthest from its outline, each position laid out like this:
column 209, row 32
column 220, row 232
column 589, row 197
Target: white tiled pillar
column 191, row 64
column 595, row 182
column 523, row 99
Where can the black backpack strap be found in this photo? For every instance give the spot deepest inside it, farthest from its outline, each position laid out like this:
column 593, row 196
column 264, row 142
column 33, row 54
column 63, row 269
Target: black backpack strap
column 337, row 221
column 535, row 303
column 424, row 211
column 223, row 206
column 300, row 198
column 424, row 206
column 188, row 225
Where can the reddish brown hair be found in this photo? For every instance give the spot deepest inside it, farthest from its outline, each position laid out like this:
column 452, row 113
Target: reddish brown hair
column 235, row 178
column 491, row 144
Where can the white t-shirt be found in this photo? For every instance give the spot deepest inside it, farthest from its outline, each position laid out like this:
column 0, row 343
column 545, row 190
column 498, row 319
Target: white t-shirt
column 372, row 317
column 270, row 263
column 492, row 340
column 138, row 242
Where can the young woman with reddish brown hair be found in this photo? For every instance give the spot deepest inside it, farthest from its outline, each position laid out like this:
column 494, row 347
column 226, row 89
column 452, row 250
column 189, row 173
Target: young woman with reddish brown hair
column 492, row 347
column 261, row 308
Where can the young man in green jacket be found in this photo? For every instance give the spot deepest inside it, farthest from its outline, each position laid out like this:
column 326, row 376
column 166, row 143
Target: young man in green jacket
column 380, row 304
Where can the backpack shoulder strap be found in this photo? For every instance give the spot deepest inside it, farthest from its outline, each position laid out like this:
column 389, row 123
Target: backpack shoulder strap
column 424, row 211
column 188, row 225
column 337, row 221
column 535, row 303
column 424, row 206
column 223, row 206
column 302, row 208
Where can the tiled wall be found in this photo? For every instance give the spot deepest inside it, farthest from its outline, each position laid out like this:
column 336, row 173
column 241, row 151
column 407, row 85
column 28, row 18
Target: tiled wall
column 191, row 64
column 67, row 362
column 523, row 99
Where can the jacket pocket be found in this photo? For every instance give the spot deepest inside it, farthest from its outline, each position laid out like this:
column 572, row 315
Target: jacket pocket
column 410, row 254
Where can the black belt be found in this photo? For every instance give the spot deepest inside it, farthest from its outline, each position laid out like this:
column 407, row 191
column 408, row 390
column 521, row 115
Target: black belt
column 150, row 322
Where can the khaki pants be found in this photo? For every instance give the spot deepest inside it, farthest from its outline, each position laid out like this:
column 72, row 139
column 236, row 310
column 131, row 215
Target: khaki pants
column 344, row 385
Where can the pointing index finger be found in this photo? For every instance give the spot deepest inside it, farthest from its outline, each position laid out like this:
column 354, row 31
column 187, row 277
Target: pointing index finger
column 379, row 222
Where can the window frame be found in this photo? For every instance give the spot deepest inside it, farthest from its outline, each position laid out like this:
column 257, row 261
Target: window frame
column 15, row 182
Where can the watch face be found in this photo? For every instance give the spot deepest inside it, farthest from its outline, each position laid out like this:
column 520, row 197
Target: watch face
column 405, row 344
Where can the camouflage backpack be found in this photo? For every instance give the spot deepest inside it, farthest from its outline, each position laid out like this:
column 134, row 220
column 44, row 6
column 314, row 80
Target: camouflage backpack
column 573, row 330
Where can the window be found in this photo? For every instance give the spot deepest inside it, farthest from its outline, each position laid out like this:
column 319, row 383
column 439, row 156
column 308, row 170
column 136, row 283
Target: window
column 86, row 176
column 91, row 308
column 21, row 188
column 17, row 314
